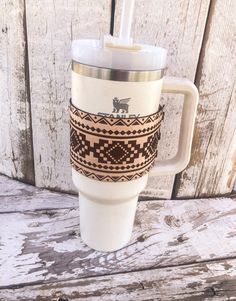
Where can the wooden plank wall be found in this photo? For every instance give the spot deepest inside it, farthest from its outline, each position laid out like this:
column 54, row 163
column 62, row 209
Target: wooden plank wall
column 179, row 27
column 16, row 157
column 212, row 170
column 51, row 26
column 35, row 80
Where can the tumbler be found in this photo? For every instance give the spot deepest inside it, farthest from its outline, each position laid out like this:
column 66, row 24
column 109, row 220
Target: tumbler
column 115, row 127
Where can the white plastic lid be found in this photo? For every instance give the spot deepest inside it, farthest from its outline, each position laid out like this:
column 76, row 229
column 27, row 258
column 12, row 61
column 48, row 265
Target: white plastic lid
column 109, row 54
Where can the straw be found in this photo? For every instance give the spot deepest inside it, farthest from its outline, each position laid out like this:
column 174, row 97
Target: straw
column 126, row 20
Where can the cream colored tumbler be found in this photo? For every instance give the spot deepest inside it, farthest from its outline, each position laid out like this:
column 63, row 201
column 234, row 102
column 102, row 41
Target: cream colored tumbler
column 123, row 82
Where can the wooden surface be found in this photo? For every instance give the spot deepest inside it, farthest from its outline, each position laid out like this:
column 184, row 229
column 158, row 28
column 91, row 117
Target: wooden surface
column 180, row 250
column 51, row 26
column 179, row 27
column 212, row 169
column 197, row 282
column 16, row 196
column 16, row 159
column 35, row 87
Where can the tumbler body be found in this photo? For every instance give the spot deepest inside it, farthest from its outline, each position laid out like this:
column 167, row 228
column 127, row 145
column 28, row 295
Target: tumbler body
column 107, row 209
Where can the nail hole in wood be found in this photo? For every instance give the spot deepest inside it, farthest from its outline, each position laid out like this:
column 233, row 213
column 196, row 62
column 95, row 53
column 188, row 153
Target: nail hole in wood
column 49, row 213
column 72, row 233
column 63, row 299
column 4, row 29
column 211, row 291
column 141, row 238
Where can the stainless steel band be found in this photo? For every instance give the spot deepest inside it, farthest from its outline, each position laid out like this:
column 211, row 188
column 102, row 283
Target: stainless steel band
column 116, row 74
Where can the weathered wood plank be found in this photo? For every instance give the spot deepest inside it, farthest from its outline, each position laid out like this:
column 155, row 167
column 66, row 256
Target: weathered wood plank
column 17, row 196
column 51, row 26
column 44, row 245
column 16, row 159
column 197, row 282
column 212, row 169
column 9, row 187
column 179, row 27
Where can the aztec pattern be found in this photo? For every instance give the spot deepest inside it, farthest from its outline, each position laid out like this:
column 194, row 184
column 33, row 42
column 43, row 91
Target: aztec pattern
column 113, row 149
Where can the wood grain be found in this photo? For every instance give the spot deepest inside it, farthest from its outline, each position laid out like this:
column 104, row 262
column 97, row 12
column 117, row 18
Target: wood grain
column 51, row 26
column 44, row 245
column 16, row 158
column 204, row 281
column 17, row 197
column 212, row 169
column 179, row 27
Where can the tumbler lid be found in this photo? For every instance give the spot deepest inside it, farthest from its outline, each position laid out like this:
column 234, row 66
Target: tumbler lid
column 109, row 53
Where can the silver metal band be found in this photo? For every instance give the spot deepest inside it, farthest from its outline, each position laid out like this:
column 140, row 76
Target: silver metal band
column 116, row 74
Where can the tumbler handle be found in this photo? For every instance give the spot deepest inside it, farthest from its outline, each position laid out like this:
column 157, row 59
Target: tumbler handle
column 181, row 159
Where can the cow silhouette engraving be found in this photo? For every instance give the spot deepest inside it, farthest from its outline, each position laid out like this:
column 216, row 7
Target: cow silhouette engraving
column 120, row 104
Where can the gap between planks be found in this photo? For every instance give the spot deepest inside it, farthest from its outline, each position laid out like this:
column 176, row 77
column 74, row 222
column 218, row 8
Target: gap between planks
column 214, row 280
column 117, row 274
column 16, row 196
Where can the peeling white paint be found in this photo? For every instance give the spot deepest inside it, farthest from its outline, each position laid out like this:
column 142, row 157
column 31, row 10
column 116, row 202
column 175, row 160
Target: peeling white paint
column 37, row 246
